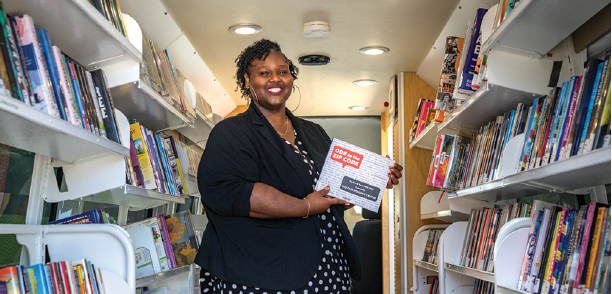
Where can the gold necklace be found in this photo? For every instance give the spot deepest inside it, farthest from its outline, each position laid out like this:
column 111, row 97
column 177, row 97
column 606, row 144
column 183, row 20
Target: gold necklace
column 286, row 126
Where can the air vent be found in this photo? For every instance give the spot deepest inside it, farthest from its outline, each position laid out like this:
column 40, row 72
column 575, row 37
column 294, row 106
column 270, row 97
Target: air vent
column 314, row 59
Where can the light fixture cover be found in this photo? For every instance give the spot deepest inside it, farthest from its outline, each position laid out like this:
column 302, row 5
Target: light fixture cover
column 365, row 82
column 314, row 59
column 358, row 107
column 245, row 29
column 373, row 50
column 315, row 29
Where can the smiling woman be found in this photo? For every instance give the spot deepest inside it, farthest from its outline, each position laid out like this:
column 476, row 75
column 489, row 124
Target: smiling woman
column 268, row 229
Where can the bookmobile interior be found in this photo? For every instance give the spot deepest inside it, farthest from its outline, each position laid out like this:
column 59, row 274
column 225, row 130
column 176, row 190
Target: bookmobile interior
column 506, row 191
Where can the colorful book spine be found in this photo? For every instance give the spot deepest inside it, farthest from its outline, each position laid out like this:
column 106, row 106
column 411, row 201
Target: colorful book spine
column 471, row 56
column 142, row 154
column 166, row 240
column 106, row 105
column 584, row 244
column 179, row 165
column 587, row 110
column 54, row 83
column 34, row 60
column 536, row 221
column 70, row 112
column 15, row 67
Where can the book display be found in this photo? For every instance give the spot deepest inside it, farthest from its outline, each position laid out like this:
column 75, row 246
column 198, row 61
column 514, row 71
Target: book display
column 515, row 136
column 91, row 108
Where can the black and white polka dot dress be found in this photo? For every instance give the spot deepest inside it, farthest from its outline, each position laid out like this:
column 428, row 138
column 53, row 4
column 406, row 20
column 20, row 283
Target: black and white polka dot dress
column 333, row 273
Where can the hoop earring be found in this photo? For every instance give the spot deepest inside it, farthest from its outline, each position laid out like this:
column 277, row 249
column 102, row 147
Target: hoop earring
column 253, row 94
column 300, row 99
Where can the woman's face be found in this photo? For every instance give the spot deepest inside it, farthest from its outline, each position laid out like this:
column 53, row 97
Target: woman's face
column 271, row 81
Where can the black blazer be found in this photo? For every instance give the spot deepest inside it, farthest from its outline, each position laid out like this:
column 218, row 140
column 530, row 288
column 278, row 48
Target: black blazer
column 276, row 254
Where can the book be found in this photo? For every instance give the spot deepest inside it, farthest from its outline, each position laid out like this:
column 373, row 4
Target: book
column 68, row 277
column 148, row 245
column 175, row 164
column 596, row 242
column 52, row 278
column 571, row 252
column 142, row 153
column 182, row 237
column 530, row 249
column 35, row 65
column 89, row 217
column 165, row 237
column 597, row 108
column 448, row 77
column 587, row 108
column 10, row 277
column 585, row 243
column 69, row 103
column 355, row 175
column 15, row 67
column 107, row 108
column 603, row 270
column 40, row 277
column 471, row 55
column 433, row 166
column 54, row 83
column 443, row 160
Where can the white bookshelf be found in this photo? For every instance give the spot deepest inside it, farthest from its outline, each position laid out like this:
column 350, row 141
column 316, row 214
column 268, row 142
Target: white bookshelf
column 27, row 128
column 576, row 172
column 202, row 126
column 438, row 205
column 509, row 252
column 421, row 269
column 484, row 106
column 139, row 102
column 134, row 197
column 535, row 27
column 78, row 29
column 108, row 247
column 427, row 138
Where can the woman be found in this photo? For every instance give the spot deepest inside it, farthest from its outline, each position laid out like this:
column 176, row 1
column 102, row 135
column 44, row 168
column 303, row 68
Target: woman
column 269, row 231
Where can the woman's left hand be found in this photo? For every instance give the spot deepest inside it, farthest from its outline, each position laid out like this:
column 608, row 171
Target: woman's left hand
column 395, row 173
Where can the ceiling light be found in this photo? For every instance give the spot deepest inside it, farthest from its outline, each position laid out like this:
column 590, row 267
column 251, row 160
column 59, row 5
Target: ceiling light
column 373, row 50
column 245, row 29
column 315, row 29
column 358, row 107
column 365, row 82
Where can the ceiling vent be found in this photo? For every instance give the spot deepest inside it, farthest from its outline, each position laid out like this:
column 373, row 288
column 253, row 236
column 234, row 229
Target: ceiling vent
column 314, row 59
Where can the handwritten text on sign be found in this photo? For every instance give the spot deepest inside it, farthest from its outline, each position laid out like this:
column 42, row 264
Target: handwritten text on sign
column 346, row 157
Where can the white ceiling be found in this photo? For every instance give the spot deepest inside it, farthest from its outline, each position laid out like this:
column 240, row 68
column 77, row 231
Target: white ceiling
column 411, row 29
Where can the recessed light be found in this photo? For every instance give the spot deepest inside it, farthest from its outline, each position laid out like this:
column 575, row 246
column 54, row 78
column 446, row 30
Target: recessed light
column 358, row 107
column 245, row 29
column 373, row 50
column 365, row 82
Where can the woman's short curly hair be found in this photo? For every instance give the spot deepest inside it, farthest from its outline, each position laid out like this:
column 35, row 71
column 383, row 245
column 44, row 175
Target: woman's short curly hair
column 258, row 50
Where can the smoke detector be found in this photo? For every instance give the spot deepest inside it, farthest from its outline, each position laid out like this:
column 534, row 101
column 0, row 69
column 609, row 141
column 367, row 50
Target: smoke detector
column 315, row 29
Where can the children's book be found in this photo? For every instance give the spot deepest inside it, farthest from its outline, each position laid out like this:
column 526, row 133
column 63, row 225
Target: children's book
column 182, row 237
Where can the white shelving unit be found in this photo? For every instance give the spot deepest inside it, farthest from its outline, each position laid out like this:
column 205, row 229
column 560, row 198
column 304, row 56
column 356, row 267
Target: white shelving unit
column 421, row 269
column 27, row 128
column 427, row 138
column 576, row 172
column 436, row 204
column 93, row 167
column 138, row 101
column 79, row 30
column 536, row 27
column 519, row 72
column 484, row 106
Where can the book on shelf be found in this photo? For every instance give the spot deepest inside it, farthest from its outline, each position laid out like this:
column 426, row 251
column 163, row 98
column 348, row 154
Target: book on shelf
column 470, row 57
column 569, row 253
column 111, row 10
column 448, row 76
column 430, row 254
column 90, row 217
column 39, row 74
column 36, row 69
column 148, row 246
column 182, row 237
column 420, row 118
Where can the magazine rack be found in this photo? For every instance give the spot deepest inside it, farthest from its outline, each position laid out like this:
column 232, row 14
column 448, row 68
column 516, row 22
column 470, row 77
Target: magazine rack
column 108, row 247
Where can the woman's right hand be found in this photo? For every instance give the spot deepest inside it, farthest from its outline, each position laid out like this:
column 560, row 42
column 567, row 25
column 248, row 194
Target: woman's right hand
column 320, row 201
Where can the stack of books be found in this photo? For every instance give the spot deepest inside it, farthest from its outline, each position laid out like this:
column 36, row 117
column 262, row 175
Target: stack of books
column 431, row 246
